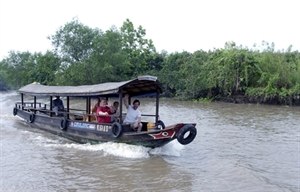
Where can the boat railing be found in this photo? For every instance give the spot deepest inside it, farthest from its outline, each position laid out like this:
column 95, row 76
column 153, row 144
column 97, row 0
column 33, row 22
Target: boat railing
column 73, row 109
column 26, row 104
column 148, row 115
column 74, row 113
column 41, row 108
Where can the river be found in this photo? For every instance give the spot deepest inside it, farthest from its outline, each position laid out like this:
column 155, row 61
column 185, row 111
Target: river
column 239, row 147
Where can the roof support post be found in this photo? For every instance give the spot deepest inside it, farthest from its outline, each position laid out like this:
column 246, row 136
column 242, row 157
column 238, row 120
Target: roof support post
column 121, row 105
column 68, row 107
column 51, row 106
column 157, row 106
column 88, row 108
column 34, row 104
column 22, row 100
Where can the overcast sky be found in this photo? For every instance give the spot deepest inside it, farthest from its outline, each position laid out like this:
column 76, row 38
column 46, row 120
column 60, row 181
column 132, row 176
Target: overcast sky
column 173, row 25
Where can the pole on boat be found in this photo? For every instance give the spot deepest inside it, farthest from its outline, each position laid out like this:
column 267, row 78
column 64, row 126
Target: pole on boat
column 68, row 107
column 121, row 104
column 34, row 104
column 22, row 100
column 88, row 108
column 50, row 106
column 157, row 106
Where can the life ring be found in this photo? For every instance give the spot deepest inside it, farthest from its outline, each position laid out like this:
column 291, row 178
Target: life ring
column 31, row 117
column 116, row 129
column 181, row 134
column 63, row 123
column 15, row 111
column 160, row 124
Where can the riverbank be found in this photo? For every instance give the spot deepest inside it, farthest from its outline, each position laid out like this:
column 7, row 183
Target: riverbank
column 241, row 99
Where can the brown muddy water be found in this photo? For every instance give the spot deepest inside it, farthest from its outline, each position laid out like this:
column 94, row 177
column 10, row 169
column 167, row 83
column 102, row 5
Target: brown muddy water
column 239, row 147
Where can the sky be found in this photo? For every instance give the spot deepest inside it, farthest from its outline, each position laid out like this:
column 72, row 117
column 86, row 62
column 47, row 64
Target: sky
column 173, row 25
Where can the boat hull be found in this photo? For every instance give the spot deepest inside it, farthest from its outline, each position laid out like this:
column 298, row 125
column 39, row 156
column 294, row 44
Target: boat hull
column 94, row 133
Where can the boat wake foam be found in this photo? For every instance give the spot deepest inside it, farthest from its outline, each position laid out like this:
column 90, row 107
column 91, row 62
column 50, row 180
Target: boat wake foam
column 171, row 149
column 115, row 149
column 125, row 150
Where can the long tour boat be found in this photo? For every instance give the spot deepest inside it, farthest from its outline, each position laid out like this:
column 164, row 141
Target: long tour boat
column 77, row 124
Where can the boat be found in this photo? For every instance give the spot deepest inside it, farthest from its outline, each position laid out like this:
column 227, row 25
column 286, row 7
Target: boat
column 76, row 124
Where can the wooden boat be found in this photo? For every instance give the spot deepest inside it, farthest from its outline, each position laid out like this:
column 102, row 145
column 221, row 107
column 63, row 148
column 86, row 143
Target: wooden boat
column 72, row 124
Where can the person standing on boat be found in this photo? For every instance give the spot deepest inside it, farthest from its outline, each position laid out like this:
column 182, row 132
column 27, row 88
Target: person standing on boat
column 104, row 111
column 133, row 116
column 57, row 105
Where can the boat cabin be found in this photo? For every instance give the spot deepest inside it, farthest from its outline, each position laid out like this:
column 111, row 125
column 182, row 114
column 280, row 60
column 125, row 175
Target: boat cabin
column 77, row 122
column 143, row 86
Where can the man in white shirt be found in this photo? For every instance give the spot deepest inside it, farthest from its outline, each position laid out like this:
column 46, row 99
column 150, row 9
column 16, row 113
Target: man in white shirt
column 133, row 116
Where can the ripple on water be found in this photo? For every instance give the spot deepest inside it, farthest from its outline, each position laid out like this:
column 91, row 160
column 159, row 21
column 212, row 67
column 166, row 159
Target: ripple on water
column 237, row 148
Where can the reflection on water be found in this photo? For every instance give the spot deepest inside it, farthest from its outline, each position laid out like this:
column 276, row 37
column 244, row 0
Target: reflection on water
column 238, row 148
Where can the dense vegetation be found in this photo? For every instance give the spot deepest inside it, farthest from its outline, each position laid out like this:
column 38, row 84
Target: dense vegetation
column 82, row 55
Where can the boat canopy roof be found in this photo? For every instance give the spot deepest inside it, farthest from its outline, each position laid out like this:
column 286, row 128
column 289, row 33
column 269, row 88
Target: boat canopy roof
column 143, row 85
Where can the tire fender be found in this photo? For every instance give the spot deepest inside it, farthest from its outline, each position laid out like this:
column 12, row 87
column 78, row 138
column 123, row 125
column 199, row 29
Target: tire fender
column 63, row 123
column 192, row 132
column 116, row 129
column 160, row 124
column 31, row 117
column 15, row 111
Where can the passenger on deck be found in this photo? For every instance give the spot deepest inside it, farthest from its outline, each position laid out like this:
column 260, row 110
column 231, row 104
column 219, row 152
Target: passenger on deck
column 95, row 106
column 94, row 109
column 133, row 116
column 104, row 111
column 116, row 113
column 58, row 105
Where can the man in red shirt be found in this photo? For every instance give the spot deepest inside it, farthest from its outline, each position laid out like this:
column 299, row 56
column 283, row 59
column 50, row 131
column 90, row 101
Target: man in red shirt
column 104, row 111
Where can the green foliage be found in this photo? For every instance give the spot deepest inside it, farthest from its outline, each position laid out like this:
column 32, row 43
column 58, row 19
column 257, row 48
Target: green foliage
column 138, row 49
column 46, row 67
column 74, row 41
column 16, row 66
column 83, row 55
column 279, row 74
column 3, row 81
column 112, row 63
column 173, row 73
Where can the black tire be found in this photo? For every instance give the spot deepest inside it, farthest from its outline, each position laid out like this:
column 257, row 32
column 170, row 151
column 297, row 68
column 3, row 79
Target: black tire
column 181, row 133
column 15, row 111
column 31, row 117
column 160, row 124
column 116, row 129
column 63, row 123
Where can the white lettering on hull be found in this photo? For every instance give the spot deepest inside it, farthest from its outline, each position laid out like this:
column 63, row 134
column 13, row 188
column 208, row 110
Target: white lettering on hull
column 104, row 128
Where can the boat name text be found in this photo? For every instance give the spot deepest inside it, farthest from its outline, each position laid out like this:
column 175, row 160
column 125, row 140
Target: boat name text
column 104, row 128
